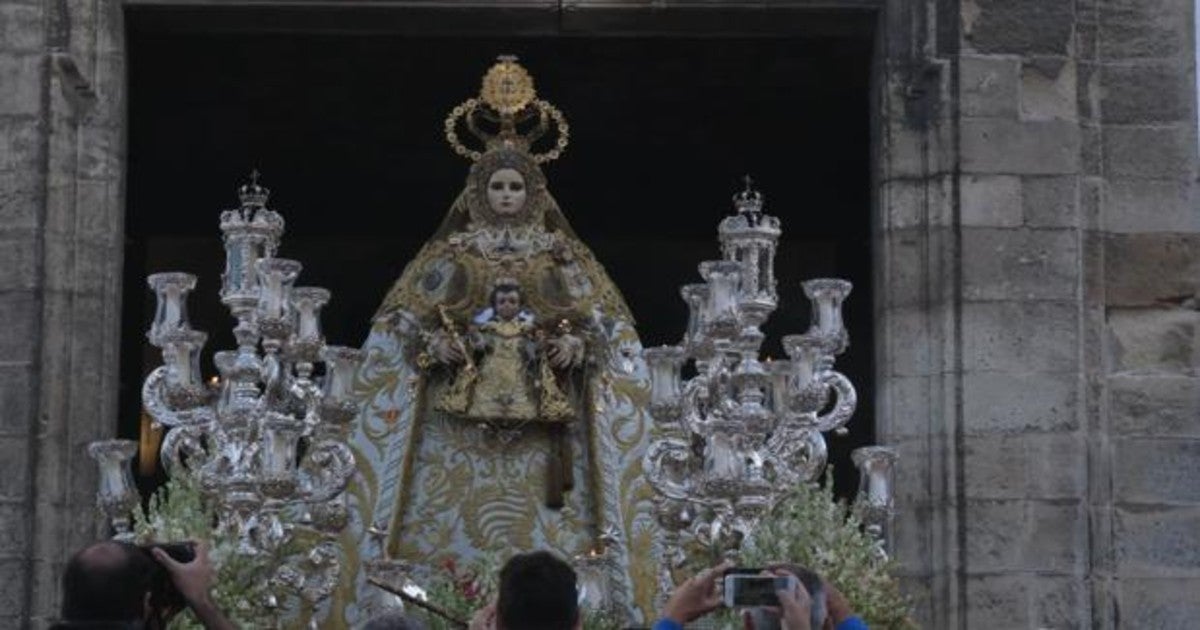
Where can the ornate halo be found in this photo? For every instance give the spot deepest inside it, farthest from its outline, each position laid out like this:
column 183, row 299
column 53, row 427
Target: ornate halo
column 506, row 100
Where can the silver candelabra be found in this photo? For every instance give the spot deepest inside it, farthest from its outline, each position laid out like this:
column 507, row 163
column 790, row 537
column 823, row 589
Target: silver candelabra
column 738, row 434
column 266, row 440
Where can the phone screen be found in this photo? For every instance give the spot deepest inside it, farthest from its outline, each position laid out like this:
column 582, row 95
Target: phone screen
column 756, row 590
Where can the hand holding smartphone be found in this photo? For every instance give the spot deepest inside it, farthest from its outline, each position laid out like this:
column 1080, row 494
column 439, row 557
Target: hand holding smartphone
column 748, row 588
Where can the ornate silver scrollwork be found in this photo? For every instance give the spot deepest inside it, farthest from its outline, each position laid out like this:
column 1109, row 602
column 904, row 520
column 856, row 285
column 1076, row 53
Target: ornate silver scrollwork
column 738, row 434
column 265, row 440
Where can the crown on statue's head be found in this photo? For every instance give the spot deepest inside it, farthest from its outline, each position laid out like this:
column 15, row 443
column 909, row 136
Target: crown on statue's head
column 253, row 194
column 507, row 115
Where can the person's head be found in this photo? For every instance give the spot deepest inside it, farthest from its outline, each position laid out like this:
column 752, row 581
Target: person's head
column 537, row 592
column 506, row 300
column 393, row 621
column 109, row 581
column 506, row 191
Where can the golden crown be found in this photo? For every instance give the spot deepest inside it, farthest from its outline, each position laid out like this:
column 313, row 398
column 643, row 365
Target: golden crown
column 507, row 114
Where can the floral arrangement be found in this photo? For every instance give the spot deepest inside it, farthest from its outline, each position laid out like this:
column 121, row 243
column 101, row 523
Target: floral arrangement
column 178, row 511
column 810, row 527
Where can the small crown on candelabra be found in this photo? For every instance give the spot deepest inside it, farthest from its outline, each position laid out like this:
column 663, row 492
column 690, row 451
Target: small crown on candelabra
column 253, row 194
column 748, row 200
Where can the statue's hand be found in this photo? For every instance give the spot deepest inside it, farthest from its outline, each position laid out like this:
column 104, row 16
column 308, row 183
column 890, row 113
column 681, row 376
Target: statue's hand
column 444, row 350
column 564, row 351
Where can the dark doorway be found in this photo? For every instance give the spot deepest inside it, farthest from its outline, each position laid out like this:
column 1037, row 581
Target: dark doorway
column 342, row 113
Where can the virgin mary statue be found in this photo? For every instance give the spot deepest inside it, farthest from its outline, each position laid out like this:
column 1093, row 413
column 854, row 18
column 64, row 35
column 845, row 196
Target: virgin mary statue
column 503, row 397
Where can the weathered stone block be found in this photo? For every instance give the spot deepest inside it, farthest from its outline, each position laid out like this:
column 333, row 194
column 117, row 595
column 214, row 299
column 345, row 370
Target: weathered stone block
column 20, row 197
column 21, row 76
column 989, row 86
column 20, row 145
column 1151, row 205
column 1059, row 602
column 1048, row 90
column 16, row 399
column 20, row 311
column 1154, row 341
column 1022, row 535
column 1091, row 150
column 990, row 200
column 1087, row 92
column 1156, row 470
column 110, row 89
column 21, row 28
column 901, row 201
column 13, row 584
column 905, row 250
column 1020, row 336
column 993, row 145
column 911, row 539
column 1002, row 264
column 78, row 265
column 1004, row 402
column 1147, row 93
column 999, row 602
column 1150, row 152
column 96, row 209
column 1153, row 541
column 1158, row 602
column 1044, row 466
column 1019, row 26
column 1155, row 405
column 1151, row 269
column 18, row 262
column 14, row 468
column 912, row 475
column 903, row 408
column 909, row 341
column 98, row 153
column 14, row 523
column 1145, row 29
column 1051, row 201
column 916, row 202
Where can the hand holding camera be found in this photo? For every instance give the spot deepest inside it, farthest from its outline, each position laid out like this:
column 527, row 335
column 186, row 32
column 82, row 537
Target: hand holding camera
column 193, row 576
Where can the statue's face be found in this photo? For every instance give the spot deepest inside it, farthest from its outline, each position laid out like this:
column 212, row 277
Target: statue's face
column 507, row 304
column 506, row 192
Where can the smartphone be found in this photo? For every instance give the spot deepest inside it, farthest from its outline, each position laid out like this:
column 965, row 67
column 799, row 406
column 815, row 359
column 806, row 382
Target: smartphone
column 750, row 590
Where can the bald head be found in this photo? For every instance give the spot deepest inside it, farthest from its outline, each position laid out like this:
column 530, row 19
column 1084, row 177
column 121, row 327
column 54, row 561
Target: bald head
column 107, row 581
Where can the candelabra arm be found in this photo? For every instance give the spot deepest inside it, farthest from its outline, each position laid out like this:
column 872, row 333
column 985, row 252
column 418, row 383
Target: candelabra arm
column 154, row 401
column 846, row 403
column 327, row 469
column 182, row 444
column 665, row 462
column 796, row 454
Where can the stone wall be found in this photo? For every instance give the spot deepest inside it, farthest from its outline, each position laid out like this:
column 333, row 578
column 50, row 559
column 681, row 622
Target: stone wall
column 61, row 177
column 1037, row 255
column 1040, row 257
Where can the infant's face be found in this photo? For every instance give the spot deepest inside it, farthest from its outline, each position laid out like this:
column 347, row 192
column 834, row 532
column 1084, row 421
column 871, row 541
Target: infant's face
column 506, row 192
column 508, row 304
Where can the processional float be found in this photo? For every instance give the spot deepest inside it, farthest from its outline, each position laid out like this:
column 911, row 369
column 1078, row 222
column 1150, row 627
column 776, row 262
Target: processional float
column 267, row 440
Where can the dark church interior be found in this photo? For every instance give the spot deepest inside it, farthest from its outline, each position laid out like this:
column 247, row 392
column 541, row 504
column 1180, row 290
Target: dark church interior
column 343, row 118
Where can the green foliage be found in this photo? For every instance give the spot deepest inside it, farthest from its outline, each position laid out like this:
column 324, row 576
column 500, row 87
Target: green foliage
column 811, row 528
column 178, row 512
